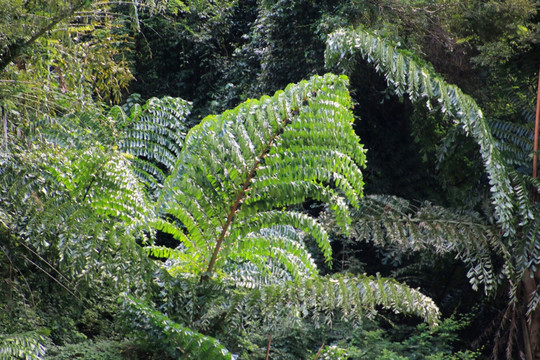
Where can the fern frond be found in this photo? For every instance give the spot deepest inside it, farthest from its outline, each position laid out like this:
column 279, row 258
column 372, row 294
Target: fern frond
column 324, row 299
column 178, row 341
column 388, row 220
column 239, row 171
column 250, row 276
column 80, row 208
column 153, row 133
column 409, row 75
column 27, row 346
column 279, row 243
column 515, row 142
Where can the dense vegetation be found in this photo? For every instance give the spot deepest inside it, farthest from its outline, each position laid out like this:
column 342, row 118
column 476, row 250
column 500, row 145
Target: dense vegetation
column 269, row 179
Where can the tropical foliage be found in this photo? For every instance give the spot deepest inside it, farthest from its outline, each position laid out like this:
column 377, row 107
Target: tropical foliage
column 136, row 226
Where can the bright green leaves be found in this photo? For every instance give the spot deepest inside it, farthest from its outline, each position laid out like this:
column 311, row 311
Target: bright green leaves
column 101, row 179
column 240, row 171
column 409, row 75
column 83, row 208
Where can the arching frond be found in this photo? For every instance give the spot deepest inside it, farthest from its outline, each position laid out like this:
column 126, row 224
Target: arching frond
column 515, row 142
column 80, row 208
column 154, row 134
column 409, row 75
column 250, row 276
column 240, row 170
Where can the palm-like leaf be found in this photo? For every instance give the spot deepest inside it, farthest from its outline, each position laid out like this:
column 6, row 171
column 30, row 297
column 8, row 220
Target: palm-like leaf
column 239, row 171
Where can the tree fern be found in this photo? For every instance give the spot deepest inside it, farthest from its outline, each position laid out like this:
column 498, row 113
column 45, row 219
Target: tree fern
column 228, row 203
column 239, row 171
column 505, row 163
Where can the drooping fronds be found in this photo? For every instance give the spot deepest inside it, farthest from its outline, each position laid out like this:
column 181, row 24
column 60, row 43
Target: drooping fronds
column 153, row 134
column 409, row 75
column 515, row 142
column 388, row 220
column 239, row 171
column 324, row 300
column 80, row 208
column 177, row 340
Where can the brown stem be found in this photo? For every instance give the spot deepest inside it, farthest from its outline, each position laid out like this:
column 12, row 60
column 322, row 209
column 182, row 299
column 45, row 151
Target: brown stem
column 531, row 333
column 536, row 125
column 268, row 347
column 319, row 352
column 239, row 198
column 524, row 326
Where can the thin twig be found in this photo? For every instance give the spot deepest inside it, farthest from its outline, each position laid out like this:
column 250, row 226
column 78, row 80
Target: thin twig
column 319, row 352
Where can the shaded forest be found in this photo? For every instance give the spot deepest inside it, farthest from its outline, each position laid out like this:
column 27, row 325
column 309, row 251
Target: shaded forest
column 269, row 179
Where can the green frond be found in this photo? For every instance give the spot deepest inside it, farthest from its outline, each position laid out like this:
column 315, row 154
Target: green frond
column 153, row 133
column 409, row 75
column 239, row 171
column 27, row 346
column 515, row 142
column 177, row 340
column 388, row 220
column 279, row 243
column 74, row 201
column 325, row 299
column 249, row 276
column 104, row 180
